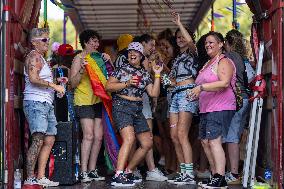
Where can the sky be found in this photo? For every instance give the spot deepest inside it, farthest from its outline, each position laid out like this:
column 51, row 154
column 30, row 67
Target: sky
column 53, row 11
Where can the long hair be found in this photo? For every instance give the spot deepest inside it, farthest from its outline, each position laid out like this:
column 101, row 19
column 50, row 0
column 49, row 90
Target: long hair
column 235, row 39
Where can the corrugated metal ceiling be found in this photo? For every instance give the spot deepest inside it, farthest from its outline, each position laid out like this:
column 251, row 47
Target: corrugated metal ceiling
column 114, row 17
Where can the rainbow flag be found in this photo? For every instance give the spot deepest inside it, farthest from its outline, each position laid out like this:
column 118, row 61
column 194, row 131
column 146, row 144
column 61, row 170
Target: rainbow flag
column 98, row 76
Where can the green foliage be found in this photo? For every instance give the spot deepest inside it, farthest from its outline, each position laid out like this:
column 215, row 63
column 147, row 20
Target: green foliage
column 223, row 25
column 56, row 31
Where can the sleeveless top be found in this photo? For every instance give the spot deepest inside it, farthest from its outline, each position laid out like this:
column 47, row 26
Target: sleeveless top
column 185, row 66
column 215, row 101
column 36, row 93
column 83, row 94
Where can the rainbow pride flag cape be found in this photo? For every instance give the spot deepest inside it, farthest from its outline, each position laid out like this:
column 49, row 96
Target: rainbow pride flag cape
column 98, row 76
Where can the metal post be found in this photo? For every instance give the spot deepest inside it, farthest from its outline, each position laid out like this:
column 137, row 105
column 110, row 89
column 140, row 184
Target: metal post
column 212, row 17
column 4, row 20
column 235, row 23
column 64, row 27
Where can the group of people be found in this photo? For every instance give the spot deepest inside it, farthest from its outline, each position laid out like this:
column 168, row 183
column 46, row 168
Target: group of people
column 173, row 84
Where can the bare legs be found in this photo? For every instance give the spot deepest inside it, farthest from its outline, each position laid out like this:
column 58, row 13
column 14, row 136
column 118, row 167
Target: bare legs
column 215, row 154
column 91, row 143
column 180, row 125
column 128, row 136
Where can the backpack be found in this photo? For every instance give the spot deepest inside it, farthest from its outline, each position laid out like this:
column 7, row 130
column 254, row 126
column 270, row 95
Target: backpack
column 237, row 91
column 238, row 95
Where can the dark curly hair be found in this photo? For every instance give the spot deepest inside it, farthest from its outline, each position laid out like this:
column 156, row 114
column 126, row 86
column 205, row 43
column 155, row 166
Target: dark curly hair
column 201, row 51
column 192, row 35
column 86, row 35
column 235, row 40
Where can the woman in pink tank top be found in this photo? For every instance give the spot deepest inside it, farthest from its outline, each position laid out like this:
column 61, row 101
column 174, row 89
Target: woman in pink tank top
column 217, row 105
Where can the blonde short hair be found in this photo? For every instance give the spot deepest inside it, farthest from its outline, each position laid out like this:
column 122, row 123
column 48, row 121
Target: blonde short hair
column 37, row 32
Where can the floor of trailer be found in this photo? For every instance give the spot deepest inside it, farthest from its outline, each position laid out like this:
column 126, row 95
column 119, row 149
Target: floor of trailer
column 146, row 185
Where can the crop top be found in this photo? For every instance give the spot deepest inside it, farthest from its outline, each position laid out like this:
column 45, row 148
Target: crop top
column 123, row 74
column 185, row 66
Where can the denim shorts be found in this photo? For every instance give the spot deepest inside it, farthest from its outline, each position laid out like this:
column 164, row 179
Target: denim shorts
column 128, row 113
column 147, row 110
column 215, row 124
column 180, row 102
column 40, row 116
column 237, row 124
column 89, row 111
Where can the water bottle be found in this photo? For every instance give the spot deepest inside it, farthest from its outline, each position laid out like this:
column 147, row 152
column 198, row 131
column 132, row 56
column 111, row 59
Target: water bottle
column 17, row 179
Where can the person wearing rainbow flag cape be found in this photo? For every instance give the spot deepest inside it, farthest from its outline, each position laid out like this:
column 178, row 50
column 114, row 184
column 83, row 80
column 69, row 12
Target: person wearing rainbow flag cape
column 89, row 73
column 128, row 85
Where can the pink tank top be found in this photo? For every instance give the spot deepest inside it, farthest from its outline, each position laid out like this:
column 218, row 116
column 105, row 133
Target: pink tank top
column 218, row 100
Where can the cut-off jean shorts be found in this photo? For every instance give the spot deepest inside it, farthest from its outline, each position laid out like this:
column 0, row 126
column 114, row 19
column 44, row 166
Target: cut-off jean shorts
column 180, row 101
column 41, row 117
column 215, row 124
column 129, row 113
column 237, row 124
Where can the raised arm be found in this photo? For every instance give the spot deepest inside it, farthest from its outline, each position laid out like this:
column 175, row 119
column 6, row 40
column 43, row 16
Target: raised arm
column 154, row 89
column 185, row 34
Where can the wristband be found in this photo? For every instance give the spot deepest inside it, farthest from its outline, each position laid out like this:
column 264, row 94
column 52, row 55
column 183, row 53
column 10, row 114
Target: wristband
column 201, row 88
column 157, row 75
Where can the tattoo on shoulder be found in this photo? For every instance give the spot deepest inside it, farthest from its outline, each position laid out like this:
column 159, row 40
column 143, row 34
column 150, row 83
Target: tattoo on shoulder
column 34, row 63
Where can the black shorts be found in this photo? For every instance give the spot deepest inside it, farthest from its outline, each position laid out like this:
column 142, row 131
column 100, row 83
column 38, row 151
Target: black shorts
column 89, row 111
column 129, row 113
column 215, row 124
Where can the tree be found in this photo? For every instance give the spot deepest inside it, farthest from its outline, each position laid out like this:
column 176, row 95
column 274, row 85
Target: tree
column 224, row 24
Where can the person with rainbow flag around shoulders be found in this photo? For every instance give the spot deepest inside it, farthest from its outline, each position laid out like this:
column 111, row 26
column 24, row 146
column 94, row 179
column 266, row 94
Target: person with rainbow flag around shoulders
column 89, row 74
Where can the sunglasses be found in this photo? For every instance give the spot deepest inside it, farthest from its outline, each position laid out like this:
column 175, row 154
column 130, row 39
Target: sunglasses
column 43, row 39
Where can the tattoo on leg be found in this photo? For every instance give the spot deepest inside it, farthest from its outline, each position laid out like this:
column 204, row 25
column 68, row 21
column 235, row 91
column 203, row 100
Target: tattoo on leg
column 33, row 152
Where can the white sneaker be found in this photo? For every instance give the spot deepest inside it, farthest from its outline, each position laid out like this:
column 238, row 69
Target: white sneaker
column 203, row 175
column 156, row 175
column 47, row 183
column 31, row 181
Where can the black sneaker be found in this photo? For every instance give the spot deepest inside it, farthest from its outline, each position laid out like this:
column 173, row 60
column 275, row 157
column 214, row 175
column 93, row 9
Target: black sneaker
column 95, row 176
column 204, row 182
column 185, row 179
column 121, row 180
column 174, row 178
column 218, row 181
column 133, row 178
column 83, row 177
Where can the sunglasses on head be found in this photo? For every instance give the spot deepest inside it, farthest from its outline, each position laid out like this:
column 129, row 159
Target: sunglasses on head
column 43, row 39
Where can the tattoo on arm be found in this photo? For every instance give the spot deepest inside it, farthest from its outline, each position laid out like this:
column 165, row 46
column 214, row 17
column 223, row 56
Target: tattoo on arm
column 34, row 66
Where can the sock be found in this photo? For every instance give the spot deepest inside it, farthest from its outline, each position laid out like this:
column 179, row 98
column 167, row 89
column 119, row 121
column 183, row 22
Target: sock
column 188, row 168
column 127, row 171
column 117, row 173
column 182, row 167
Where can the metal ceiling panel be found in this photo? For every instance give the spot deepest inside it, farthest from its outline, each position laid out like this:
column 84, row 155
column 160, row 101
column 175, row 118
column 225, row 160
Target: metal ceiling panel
column 114, row 17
